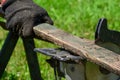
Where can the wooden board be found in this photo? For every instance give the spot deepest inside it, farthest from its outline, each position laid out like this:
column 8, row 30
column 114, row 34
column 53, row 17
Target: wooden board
column 84, row 48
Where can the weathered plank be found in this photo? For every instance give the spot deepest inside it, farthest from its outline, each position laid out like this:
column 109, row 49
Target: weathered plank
column 84, row 48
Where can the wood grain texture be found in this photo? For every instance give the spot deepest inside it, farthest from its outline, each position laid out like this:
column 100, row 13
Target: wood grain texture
column 84, row 48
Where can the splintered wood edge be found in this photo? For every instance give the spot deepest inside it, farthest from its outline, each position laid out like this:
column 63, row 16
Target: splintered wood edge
column 84, row 48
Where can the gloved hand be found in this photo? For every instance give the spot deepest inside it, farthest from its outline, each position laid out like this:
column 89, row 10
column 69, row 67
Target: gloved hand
column 23, row 15
column 2, row 23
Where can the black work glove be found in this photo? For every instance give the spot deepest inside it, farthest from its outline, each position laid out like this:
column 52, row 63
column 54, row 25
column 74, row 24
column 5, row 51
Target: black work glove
column 23, row 15
column 2, row 23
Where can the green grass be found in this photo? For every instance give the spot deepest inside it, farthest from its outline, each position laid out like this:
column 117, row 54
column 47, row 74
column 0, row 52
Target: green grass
column 78, row 17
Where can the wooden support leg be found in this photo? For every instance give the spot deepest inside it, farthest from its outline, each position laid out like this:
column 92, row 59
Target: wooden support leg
column 7, row 50
column 32, row 59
